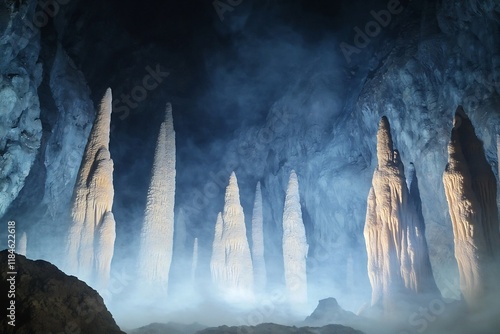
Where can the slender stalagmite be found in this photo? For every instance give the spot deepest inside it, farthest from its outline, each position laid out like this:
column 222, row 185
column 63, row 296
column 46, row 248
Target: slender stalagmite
column 295, row 245
column 157, row 234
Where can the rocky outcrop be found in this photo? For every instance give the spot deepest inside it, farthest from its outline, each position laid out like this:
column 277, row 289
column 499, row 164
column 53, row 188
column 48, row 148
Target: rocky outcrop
column 471, row 191
column 157, row 234
column 398, row 260
column 295, row 246
column 280, row 329
column 259, row 264
column 329, row 311
column 49, row 301
column 231, row 263
column 91, row 236
column 20, row 77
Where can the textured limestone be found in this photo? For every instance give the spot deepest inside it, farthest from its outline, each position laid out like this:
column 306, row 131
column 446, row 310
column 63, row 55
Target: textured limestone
column 295, row 245
column 471, row 191
column 231, row 263
column 259, row 264
column 156, row 243
column 91, row 236
column 20, row 77
column 398, row 259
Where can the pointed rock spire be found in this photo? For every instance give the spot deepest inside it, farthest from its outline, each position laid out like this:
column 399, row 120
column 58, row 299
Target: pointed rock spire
column 93, row 201
column 295, row 245
column 398, row 257
column 471, row 191
column 156, row 241
column 231, row 264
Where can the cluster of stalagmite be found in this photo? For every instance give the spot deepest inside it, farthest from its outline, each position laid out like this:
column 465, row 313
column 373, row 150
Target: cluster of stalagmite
column 398, row 258
column 91, row 237
column 295, row 245
column 231, row 263
column 259, row 265
column 157, row 234
column 471, row 191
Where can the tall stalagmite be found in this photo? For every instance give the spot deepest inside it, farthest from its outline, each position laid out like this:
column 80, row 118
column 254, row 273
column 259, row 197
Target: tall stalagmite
column 295, row 245
column 471, row 191
column 231, row 263
column 157, row 234
column 92, row 221
column 259, row 265
column 398, row 258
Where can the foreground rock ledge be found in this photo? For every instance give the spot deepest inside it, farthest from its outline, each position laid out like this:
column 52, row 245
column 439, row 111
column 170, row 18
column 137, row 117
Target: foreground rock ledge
column 49, row 301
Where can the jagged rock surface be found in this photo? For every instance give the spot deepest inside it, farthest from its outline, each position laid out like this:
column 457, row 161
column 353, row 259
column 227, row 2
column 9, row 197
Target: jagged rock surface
column 295, row 245
column 20, row 77
column 157, row 234
column 93, row 224
column 231, row 263
column 259, row 264
column 471, row 191
column 398, row 259
column 49, row 301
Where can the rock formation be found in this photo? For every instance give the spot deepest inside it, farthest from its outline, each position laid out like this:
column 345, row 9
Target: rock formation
column 295, row 245
column 194, row 263
column 471, row 191
column 93, row 224
column 49, row 301
column 156, row 243
column 398, row 259
column 231, row 263
column 259, row 264
column 22, row 244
